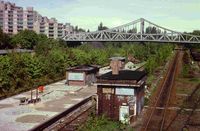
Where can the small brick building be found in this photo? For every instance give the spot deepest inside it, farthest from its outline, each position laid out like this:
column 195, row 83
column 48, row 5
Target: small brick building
column 121, row 93
column 82, row 75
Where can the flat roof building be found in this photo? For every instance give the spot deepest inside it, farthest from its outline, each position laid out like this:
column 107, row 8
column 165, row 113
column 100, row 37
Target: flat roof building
column 121, row 94
column 82, row 75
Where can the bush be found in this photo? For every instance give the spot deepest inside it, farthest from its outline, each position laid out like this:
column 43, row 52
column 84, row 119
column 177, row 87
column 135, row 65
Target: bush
column 102, row 123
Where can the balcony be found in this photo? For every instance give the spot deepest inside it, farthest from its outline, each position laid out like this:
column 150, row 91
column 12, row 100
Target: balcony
column 18, row 30
column 42, row 27
column 42, row 31
column 10, row 25
column 30, row 19
column 20, row 19
column 30, row 23
column 10, row 31
column 20, row 16
column 51, row 32
column 29, row 16
column 30, row 27
column 20, row 27
column 20, row 23
column 60, row 35
column 51, row 35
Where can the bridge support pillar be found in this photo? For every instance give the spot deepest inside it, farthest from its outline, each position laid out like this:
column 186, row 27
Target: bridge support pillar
column 141, row 27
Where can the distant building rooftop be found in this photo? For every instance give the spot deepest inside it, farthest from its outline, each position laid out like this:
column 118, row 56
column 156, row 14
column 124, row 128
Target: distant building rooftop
column 4, row 52
column 84, row 68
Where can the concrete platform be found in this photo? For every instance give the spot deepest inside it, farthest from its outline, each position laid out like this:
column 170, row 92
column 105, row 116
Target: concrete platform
column 56, row 98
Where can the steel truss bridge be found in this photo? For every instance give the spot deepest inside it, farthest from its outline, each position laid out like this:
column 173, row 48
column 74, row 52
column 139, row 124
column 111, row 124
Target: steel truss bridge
column 140, row 30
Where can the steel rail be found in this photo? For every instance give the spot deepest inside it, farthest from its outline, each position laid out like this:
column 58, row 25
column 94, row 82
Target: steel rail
column 65, row 124
column 171, row 86
column 161, row 91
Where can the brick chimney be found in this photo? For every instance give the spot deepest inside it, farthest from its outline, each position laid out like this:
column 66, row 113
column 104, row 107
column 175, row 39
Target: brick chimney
column 116, row 64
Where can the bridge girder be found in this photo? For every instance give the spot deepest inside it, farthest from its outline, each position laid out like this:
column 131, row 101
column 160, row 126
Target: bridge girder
column 135, row 31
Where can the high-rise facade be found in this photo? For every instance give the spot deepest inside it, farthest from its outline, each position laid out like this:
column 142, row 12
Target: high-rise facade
column 14, row 19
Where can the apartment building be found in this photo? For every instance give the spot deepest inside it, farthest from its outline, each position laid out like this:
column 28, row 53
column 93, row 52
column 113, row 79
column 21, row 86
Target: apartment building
column 14, row 19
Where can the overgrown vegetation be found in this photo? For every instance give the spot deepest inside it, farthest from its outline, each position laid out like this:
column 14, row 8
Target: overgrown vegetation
column 102, row 123
column 21, row 72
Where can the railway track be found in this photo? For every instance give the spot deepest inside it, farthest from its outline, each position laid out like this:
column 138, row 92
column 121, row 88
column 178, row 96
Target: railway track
column 194, row 100
column 156, row 118
column 71, row 118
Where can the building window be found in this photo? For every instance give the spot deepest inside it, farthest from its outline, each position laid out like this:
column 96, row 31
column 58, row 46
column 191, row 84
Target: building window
column 125, row 91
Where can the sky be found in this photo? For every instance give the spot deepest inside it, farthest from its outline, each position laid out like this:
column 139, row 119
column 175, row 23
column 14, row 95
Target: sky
column 178, row 15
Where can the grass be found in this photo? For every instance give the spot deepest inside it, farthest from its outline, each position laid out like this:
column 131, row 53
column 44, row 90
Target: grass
column 150, row 79
column 101, row 123
column 183, row 91
column 187, row 85
column 195, row 80
column 188, row 80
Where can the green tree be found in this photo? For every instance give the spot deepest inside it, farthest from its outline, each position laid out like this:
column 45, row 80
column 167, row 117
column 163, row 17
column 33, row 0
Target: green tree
column 101, row 27
column 81, row 57
column 152, row 30
column 4, row 40
column 25, row 39
column 134, row 30
column 196, row 32
column 56, row 63
column 6, row 69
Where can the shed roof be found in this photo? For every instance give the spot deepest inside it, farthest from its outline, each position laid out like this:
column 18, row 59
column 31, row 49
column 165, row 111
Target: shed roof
column 117, row 58
column 84, row 68
column 124, row 75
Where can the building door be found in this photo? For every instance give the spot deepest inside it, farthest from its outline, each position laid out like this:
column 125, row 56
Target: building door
column 124, row 114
